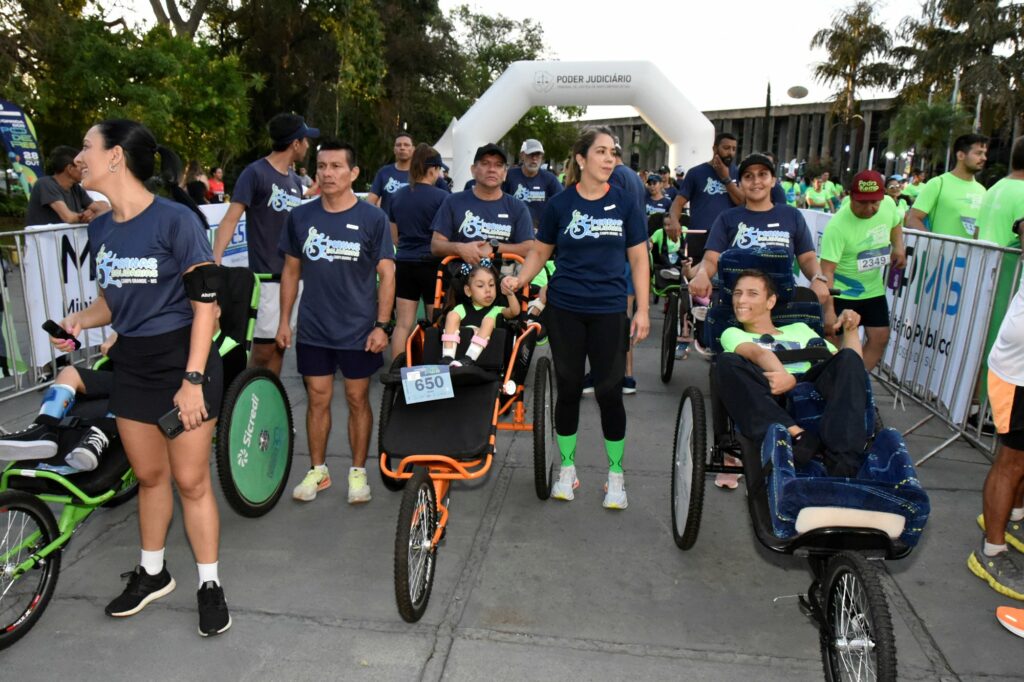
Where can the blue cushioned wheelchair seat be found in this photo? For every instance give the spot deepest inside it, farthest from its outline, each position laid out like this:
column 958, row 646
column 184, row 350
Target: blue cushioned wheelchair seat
column 886, row 482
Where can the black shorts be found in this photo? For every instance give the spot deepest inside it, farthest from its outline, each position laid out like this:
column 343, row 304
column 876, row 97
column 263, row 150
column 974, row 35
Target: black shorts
column 148, row 371
column 874, row 312
column 416, row 280
column 317, row 361
column 98, row 383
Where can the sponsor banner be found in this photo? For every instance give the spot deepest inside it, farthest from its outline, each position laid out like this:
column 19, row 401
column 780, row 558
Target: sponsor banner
column 237, row 252
column 935, row 318
column 19, row 137
column 816, row 222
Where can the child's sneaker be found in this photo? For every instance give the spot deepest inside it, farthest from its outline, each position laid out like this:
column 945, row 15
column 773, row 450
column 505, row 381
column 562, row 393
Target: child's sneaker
column 38, row 441
column 358, row 488
column 315, row 481
column 86, row 455
column 588, row 384
column 566, row 483
column 615, row 492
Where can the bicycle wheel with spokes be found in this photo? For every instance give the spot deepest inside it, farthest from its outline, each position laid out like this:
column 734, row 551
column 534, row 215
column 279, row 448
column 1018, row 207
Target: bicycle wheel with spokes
column 26, row 527
column 545, row 445
column 415, row 553
column 669, row 336
column 858, row 642
column 689, row 451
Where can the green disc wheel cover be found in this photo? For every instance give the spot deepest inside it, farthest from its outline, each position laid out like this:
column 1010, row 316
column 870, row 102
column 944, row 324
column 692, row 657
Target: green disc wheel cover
column 259, row 440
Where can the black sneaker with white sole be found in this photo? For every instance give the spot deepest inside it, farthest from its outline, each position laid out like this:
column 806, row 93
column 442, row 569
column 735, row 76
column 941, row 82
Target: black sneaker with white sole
column 86, row 455
column 213, row 609
column 38, row 441
column 141, row 590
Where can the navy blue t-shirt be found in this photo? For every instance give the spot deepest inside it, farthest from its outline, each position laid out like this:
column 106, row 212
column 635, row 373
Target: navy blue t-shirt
column 657, row 205
column 534, row 191
column 339, row 254
column 590, row 239
column 670, row 191
column 268, row 196
column 140, row 262
column 413, row 210
column 627, row 179
column 778, row 194
column 745, row 229
column 706, row 194
column 389, row 180
column 464, row 217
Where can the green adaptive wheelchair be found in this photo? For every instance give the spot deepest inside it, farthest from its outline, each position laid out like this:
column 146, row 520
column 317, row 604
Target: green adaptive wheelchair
column 252, row 448
column 678, row 320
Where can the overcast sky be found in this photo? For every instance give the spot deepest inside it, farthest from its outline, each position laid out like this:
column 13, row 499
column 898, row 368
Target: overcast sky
column 720, row 54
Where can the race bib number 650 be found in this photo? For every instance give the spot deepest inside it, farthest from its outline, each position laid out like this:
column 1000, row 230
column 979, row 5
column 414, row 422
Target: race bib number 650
column 424, row 383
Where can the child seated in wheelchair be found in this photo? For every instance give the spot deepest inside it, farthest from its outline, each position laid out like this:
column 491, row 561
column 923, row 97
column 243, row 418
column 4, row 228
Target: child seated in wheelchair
column 667, row 247
column 478, row 311
column 750, row 378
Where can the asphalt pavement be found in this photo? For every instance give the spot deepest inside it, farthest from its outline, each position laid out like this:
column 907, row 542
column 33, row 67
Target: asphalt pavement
column 524, row 589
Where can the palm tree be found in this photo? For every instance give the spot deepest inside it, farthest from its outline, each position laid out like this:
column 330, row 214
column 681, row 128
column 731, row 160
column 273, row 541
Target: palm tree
column 929, row 127
column 858, row 50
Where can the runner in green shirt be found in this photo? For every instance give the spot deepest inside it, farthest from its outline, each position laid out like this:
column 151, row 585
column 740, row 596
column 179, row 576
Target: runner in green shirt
column 816, row 197
column 951, row 202
column 913, row 188
column 858, row 243
column 832, row 190
column 791, row 187
column 894, row 190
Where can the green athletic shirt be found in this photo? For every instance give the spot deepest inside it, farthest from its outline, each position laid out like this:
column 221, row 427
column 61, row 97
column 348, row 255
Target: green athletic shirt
column 952, row 205
column 541, row 280
column 911, row 190
column 831, row 188
column 659, row 236
column 1002, row 205
column 860, row 249
column 791, row 336
column 475, row 317
column 821, row 196
column 792, row 189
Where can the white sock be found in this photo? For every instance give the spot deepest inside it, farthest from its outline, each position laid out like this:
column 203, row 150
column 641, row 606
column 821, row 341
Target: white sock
column 447, row 352
column 1017, row 514
column 993, row 550
column 474, row 351
column 208, row 572
column 322, row 468
column 152, row 562
column 353, row 470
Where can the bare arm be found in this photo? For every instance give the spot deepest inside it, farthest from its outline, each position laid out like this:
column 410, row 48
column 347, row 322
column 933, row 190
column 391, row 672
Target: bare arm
column 522, row 249
column 471, row 252
column 676, row 209
column 290, row 274
column 373, row 199
column 226, row 230
column 915, row 220
column 386, row 288
column 394, row 234
column 778, row 378
column 64, row 213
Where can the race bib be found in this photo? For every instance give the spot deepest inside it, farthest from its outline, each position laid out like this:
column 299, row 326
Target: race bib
column 872, row 259
column 969, row 225
column 424, row 383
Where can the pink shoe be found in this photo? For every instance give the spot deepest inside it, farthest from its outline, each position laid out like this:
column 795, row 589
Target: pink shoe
column 729, row 481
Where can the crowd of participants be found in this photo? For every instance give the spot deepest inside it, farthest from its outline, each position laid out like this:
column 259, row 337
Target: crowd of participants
column 348, row 276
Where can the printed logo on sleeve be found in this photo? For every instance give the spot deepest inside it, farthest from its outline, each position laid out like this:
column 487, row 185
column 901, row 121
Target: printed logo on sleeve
column 319, row 246
column 584, row 225
column 280, row 200
column 475, row 227
column 114, row 271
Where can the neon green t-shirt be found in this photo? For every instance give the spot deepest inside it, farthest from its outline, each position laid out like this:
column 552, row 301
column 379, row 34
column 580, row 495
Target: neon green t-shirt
column 792, row 190
column 912, row 190
column 860, row 249
column 790, row 337
column 952, row 205
column 818, row 199
column 1003, row 204
column 831, row 188
column 541, row 280
column 659, row 236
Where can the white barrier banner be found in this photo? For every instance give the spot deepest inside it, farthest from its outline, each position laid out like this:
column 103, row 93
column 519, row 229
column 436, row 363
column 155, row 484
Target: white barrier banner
column 944, row 283
column 237, row 252
column 60, row 278
column 816, row 222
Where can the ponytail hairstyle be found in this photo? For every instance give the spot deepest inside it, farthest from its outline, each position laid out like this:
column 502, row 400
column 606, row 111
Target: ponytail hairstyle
column 582, row 145
column 140, row 152
column 418, row 165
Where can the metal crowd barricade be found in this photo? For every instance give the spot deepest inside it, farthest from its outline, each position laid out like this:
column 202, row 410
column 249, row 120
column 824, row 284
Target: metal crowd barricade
column 30, row 369
column 927, row 295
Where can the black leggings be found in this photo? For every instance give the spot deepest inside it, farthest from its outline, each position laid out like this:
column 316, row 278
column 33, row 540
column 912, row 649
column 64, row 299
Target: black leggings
column 603, row 338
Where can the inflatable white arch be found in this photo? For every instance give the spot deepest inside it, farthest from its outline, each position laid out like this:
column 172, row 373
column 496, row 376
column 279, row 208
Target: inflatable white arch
column 659, row 102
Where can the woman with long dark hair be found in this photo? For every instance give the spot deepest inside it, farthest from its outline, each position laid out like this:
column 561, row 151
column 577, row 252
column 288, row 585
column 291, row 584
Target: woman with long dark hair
column 593, row 229
column 151, row 257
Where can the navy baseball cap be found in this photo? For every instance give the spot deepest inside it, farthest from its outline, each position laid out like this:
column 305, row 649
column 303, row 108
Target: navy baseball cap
column 490, row 149
column 290, row 127
column 435, row 162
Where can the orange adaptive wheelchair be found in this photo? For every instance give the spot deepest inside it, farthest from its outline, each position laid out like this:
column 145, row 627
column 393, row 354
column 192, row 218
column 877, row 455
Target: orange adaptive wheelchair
column 442, row 440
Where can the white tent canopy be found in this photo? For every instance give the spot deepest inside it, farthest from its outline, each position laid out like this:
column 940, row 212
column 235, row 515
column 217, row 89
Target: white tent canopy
column 659, row 102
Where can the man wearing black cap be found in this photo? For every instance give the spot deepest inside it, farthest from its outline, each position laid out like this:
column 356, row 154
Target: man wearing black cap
column 667, row 186
column 266, row 191
column 529, row 182
column 481, row 221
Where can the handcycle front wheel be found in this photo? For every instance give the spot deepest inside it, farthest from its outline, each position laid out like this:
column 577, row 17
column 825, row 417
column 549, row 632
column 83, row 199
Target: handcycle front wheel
column 545, row 445
column 254, row 442
column 669, row 336
column 387, row 402
column 26, row 527
column 689, row 452
column 857, row 640
column 415, row 554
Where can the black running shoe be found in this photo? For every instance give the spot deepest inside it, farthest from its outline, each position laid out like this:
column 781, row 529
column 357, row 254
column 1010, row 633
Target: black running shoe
column 213, row 610
column 38, row 441
column 142, row 588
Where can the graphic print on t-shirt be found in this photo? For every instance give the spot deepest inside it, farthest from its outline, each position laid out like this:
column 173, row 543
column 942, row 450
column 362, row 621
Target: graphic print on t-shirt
column 715, row 187
column 114, row 271
column 751, row 237
column 584, row 225
column 394, row 185
column 281, row 200
column 475, row 227
column 318, row 246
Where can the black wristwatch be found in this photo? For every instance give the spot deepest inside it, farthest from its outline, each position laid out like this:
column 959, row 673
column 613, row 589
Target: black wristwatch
column 388, row 327
column 195, row 378
column 494, row 244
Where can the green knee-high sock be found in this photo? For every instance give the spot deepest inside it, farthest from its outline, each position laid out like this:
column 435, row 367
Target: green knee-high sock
column 615, row 449
column 567, row 446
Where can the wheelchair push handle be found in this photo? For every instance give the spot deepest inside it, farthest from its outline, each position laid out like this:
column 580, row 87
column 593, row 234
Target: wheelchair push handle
column 58, row 332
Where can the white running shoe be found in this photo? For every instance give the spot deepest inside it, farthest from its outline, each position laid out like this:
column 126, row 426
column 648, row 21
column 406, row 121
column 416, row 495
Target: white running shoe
column 315, row 481
column 566, row 483
column 358, row 488
column 615, row 492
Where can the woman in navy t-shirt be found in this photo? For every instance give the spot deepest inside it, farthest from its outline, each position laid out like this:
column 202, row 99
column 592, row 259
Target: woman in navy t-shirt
column 162, row 359
column 411, row 212
column 592, row 229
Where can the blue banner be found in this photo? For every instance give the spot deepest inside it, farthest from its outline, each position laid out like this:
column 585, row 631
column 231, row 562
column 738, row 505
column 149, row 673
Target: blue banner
column 19, row 137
